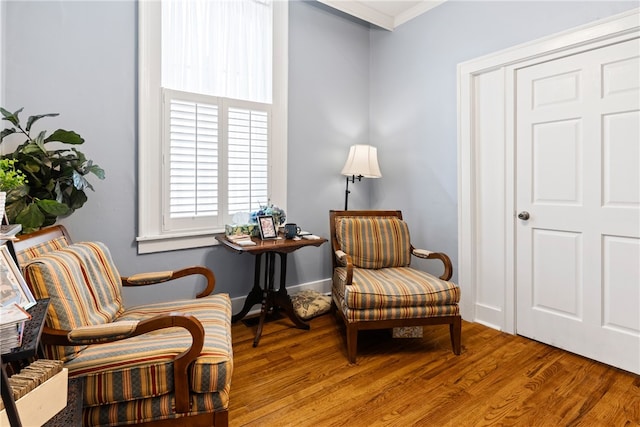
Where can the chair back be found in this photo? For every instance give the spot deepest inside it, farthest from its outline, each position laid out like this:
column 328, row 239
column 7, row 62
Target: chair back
column 80, row 279
column 28, row 246
column 374, row 239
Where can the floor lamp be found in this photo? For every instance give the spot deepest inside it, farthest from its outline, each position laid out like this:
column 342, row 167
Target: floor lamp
column 361, row 163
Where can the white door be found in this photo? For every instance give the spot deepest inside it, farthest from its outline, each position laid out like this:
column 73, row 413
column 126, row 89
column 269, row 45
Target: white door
column 578, row 180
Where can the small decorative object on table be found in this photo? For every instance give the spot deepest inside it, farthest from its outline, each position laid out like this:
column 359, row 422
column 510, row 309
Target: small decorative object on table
column 291, row 230
column 279, row 216
column 268, row 229
column 241, row 225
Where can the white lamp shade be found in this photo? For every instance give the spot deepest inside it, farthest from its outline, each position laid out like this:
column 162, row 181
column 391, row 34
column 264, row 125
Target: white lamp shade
column 362, row 160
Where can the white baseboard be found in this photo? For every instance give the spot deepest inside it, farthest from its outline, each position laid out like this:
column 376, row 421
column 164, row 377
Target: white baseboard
column 322, row 286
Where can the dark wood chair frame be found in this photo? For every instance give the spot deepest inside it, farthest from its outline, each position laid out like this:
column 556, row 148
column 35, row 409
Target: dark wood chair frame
column 182, row 361
column 352, row 328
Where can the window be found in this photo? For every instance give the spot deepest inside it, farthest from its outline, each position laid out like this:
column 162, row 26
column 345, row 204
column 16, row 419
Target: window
column 212, row 138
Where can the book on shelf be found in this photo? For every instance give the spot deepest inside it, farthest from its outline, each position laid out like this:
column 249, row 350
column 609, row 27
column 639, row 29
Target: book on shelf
column 8, row 231
column 13, row 314
column 12, row 323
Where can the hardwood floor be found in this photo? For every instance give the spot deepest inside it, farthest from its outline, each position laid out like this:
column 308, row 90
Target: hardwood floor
column 302, row 378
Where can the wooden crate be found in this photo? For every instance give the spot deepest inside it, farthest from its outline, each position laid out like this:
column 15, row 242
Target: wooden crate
column 39, row 405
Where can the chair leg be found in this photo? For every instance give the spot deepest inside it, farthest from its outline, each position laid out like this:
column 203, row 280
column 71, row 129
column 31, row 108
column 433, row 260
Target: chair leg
column 455, row 330
column 352, row 342
column 221, row 419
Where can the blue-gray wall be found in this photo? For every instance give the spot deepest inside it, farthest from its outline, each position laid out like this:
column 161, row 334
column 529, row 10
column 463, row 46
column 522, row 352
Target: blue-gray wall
column 347, row 84
column 79, row 59
column 414, row 106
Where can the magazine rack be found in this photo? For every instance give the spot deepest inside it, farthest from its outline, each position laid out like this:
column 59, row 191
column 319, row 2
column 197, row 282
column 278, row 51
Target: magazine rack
column 28, row 349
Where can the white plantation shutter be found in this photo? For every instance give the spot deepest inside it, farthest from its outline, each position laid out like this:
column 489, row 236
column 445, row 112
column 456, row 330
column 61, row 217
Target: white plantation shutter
column 191, row 160
column 248, row 149
column 198, row 128
column 193, row 150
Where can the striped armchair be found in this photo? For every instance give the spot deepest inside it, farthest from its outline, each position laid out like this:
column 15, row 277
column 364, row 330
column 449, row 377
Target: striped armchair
column 374, row 286
column 160, row 364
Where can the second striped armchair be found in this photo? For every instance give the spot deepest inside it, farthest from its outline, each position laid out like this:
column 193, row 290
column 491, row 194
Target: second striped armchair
column 374, row 286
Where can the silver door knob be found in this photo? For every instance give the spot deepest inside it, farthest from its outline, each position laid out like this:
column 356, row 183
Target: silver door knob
column 524, row 215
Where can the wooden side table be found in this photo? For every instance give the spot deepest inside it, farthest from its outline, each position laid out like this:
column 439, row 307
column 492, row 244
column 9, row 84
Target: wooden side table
column 266, row 294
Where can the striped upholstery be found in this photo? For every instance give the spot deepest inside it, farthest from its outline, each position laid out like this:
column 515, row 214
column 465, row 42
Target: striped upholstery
column 41, row 249
column 137, row 411
column 394, row 293
column 142, row 366
column 129, row 381
column 84, row 287
column 378, row 242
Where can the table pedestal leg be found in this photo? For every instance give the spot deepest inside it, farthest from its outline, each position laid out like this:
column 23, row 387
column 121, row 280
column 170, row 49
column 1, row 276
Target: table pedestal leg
column 282, row 299
column 267, row 296
column 255, row 296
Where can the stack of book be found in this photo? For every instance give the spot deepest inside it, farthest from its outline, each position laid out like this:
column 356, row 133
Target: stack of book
column 12, row 321
column 241, row 239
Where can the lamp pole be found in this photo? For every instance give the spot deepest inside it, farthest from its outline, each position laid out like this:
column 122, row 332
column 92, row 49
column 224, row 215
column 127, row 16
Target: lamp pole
column 346, row 191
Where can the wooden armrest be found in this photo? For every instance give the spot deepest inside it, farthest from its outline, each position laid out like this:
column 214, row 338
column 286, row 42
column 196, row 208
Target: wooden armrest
column 345, row 260
column 126, row 329
column 144, row 279
column 446, row 261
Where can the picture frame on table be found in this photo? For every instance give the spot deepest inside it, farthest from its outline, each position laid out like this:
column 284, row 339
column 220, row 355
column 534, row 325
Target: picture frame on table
column 267, row 226
column 13, row 288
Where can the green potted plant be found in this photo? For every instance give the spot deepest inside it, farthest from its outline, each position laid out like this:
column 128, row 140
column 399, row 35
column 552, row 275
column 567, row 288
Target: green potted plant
column 10, row 179
column 54, row 179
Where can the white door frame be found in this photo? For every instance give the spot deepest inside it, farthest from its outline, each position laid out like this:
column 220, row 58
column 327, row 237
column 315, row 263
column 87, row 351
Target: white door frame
column 486, row 164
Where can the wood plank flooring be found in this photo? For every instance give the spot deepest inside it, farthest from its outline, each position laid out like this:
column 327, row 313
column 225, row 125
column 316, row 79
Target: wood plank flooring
column 302, row 378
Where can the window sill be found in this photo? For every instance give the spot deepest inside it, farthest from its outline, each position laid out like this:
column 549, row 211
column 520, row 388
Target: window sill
column 174, row 242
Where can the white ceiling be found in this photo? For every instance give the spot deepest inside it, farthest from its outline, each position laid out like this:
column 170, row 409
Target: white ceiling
column 387, row 14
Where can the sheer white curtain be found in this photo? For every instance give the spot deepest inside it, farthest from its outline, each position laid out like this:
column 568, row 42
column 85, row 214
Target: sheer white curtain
column 218, row 48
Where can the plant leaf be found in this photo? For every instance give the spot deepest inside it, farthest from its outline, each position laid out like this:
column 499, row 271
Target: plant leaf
column 39, row 140
column 77, row 199
column 31, row 218
column 65, row 136
column 12, row 117
column 52, row 207
column 80, row 182
column 33, row 119
column 13, row 208
column 96, row 170
column 6, row 132
column 17, row 193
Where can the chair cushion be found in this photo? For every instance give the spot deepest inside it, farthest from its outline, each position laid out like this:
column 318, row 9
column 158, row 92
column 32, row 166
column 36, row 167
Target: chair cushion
column 151, row 409
column 374, row 242
column 142, row 366
column 84, row 287
column 394, row 293
column 309, row 304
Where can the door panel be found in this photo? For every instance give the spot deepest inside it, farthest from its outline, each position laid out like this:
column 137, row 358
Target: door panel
column 620, row 159
column 557, row 162
column 548, row 247
column 577, row 175
column 621, row 275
